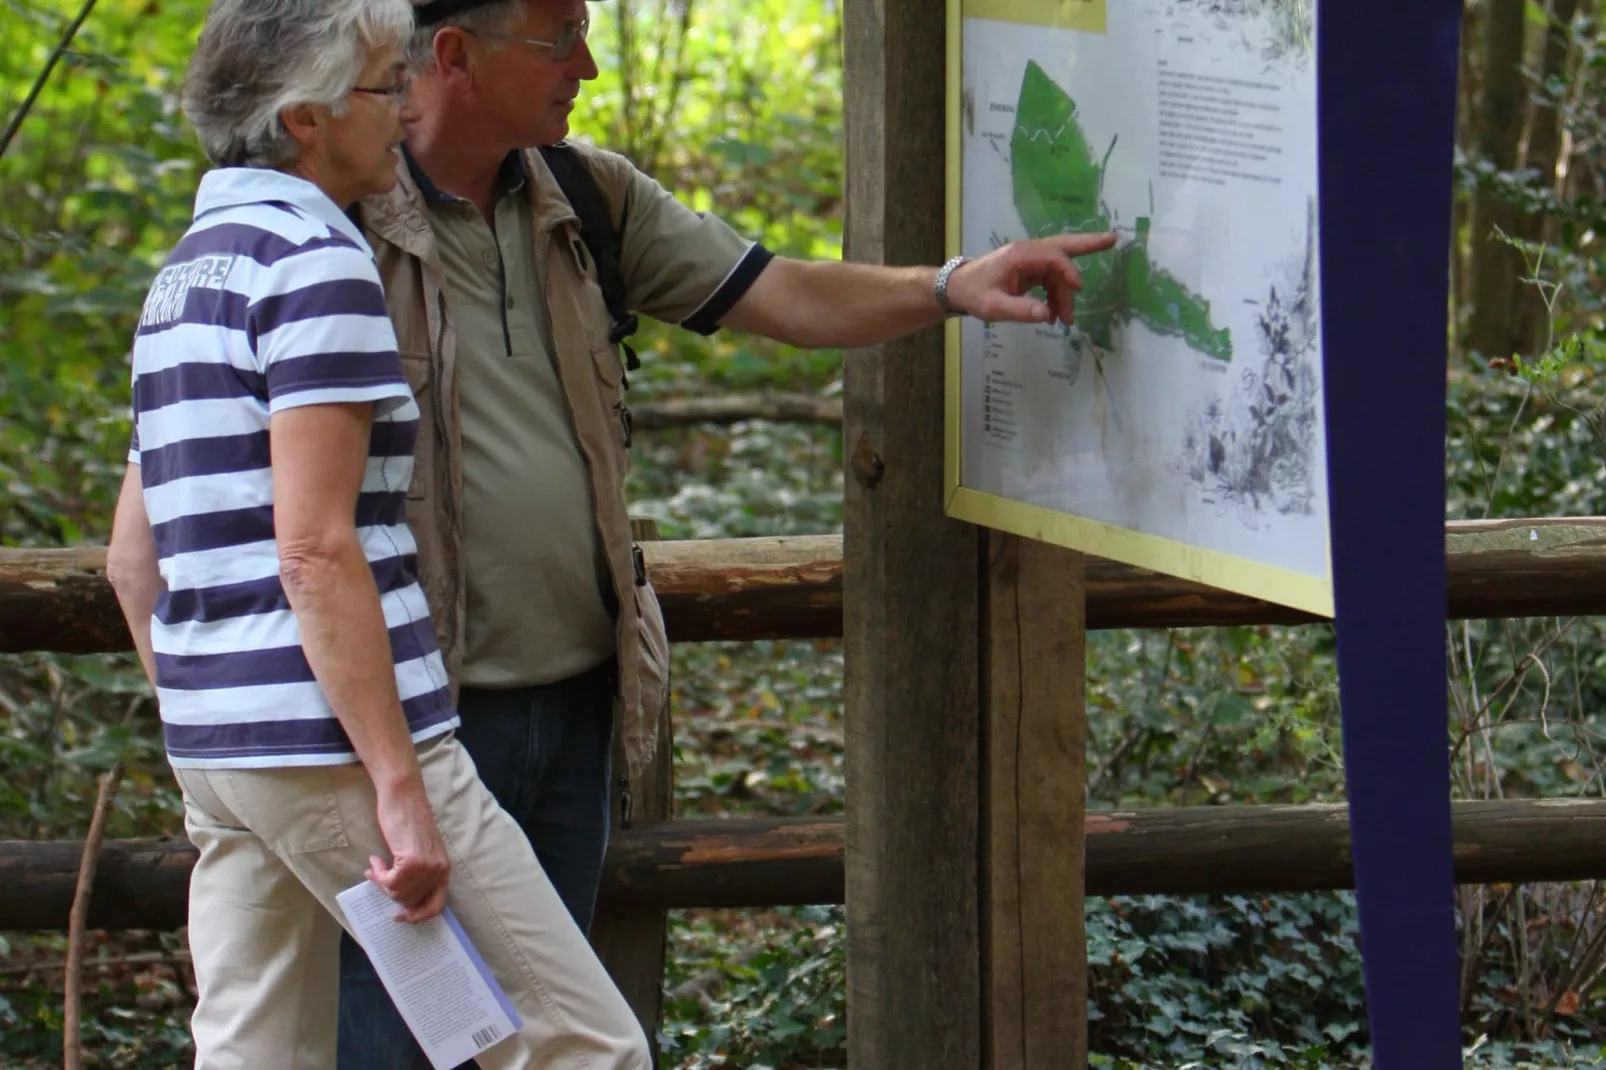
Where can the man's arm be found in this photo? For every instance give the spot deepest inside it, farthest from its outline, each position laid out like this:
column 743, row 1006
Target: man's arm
column 841, row 304
column 133, row 569
column 320, row 453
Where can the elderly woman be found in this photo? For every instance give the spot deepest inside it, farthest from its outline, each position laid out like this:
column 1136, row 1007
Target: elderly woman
column 262, row 559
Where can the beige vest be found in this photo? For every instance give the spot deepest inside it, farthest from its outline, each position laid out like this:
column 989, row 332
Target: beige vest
column 591, row 373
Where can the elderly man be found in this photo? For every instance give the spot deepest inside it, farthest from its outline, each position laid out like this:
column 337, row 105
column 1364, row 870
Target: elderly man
column 548, row 627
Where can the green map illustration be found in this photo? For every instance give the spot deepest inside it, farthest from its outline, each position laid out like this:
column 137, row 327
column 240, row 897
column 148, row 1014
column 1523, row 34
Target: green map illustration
column 1058, row 188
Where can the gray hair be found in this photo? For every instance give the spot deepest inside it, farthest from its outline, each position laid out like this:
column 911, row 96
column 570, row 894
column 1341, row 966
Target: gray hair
column 257, row 57
column 487, row 20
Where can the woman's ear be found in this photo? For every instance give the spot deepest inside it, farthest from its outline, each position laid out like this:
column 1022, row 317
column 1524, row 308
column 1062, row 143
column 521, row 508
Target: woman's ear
column 304, row 123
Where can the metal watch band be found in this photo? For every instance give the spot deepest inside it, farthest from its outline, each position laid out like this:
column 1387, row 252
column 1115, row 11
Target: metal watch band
column 942, row 286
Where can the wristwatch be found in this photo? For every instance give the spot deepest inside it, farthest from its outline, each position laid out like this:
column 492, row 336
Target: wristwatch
column 943, row 273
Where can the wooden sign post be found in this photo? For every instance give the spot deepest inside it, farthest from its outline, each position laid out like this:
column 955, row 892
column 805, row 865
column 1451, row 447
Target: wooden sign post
column 964, row 660
column 1033, row 805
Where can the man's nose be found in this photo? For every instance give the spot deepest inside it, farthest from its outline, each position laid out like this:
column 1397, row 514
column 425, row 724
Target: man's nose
column 583, row 65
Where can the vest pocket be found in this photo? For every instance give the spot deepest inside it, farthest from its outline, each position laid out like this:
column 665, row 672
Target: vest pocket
column 652, row 654
column 610, row 373
column 610, row 366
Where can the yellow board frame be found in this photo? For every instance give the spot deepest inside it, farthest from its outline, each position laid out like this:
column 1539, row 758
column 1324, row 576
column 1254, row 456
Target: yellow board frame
column 1269, row 583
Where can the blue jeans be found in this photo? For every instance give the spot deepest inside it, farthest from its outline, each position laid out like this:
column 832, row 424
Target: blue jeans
column 544, row 753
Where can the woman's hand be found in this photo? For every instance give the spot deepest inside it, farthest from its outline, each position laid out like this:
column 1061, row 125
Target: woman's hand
column 419, row 869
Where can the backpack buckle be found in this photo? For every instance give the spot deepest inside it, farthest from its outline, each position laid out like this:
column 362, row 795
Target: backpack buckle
column 623, row 329
column 626, row 423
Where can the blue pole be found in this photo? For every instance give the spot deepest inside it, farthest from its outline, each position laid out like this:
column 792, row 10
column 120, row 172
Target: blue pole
column 1386, row 106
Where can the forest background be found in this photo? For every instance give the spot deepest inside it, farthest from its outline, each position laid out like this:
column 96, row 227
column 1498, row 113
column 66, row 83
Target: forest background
column 736, row 106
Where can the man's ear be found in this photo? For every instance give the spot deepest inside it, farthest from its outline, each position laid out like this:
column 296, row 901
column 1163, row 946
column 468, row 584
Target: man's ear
column 303, row 122
column 454, row 57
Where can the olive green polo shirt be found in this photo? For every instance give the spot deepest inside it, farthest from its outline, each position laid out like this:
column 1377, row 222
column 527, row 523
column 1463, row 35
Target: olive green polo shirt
column 537, row 589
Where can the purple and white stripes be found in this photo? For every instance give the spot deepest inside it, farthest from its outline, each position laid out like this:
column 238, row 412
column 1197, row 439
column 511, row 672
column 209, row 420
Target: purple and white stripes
column 270, row 301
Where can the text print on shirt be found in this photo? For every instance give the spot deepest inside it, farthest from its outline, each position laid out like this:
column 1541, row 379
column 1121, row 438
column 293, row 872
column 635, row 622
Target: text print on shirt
column 173, row 284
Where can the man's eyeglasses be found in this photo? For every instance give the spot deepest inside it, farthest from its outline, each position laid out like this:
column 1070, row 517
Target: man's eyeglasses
column 397, row 93
column 563, row 47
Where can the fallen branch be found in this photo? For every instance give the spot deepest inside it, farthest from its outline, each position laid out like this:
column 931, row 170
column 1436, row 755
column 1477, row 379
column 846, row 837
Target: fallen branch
column 72, row 1053
column 132, row 959
column 734, row 408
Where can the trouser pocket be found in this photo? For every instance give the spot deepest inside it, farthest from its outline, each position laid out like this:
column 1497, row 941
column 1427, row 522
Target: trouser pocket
column 294, row 811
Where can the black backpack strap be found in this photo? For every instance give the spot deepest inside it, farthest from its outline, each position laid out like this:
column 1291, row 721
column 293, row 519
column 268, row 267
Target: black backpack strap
column 597, row 231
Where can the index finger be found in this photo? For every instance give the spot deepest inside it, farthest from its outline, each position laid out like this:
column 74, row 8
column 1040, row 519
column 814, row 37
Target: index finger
column 1082, row 244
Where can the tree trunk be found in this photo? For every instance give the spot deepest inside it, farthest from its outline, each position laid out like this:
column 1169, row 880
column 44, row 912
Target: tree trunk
column 1544, row 147
column 1496, row 268
column 1461, row 208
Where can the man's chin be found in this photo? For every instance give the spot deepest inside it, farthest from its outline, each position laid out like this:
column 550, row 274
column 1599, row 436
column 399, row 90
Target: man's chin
column 552, row 131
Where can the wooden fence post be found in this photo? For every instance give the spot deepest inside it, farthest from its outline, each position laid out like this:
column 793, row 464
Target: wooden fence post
column 911, row 580
column 634, row 946
column 1033, row 807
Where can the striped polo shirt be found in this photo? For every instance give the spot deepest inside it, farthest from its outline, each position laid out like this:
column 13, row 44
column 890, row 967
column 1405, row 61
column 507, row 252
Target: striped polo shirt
column 271, row 300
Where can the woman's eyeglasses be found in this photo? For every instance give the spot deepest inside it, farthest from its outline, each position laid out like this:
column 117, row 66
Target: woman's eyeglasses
column 397, row 93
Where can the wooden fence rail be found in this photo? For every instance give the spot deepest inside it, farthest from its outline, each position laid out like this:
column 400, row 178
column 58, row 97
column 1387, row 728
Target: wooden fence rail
column 755, row 862
column 790, row 587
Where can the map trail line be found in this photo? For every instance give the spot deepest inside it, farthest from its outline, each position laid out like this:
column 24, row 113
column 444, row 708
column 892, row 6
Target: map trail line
column 1058, row 188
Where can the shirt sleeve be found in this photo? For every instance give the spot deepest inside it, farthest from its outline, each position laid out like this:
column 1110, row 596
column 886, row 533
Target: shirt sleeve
column 322, row 333
column 679, row 265
column 133, row 415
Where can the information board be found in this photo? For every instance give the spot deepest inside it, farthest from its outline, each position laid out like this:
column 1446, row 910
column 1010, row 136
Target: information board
column 1202, row 418
column 1178, row 424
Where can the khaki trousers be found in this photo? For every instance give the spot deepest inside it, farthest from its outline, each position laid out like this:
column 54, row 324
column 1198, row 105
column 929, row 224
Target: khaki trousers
column 277, row 846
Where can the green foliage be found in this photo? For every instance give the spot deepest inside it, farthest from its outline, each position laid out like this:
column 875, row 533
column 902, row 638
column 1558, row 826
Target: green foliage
column 759, row 728
column 63, row 721
column 776, row 1004
column 99, row 182
column 136, row 1003
column 1222, row 715
column 761, row 479
column 736, row 106
column 1178, row 979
